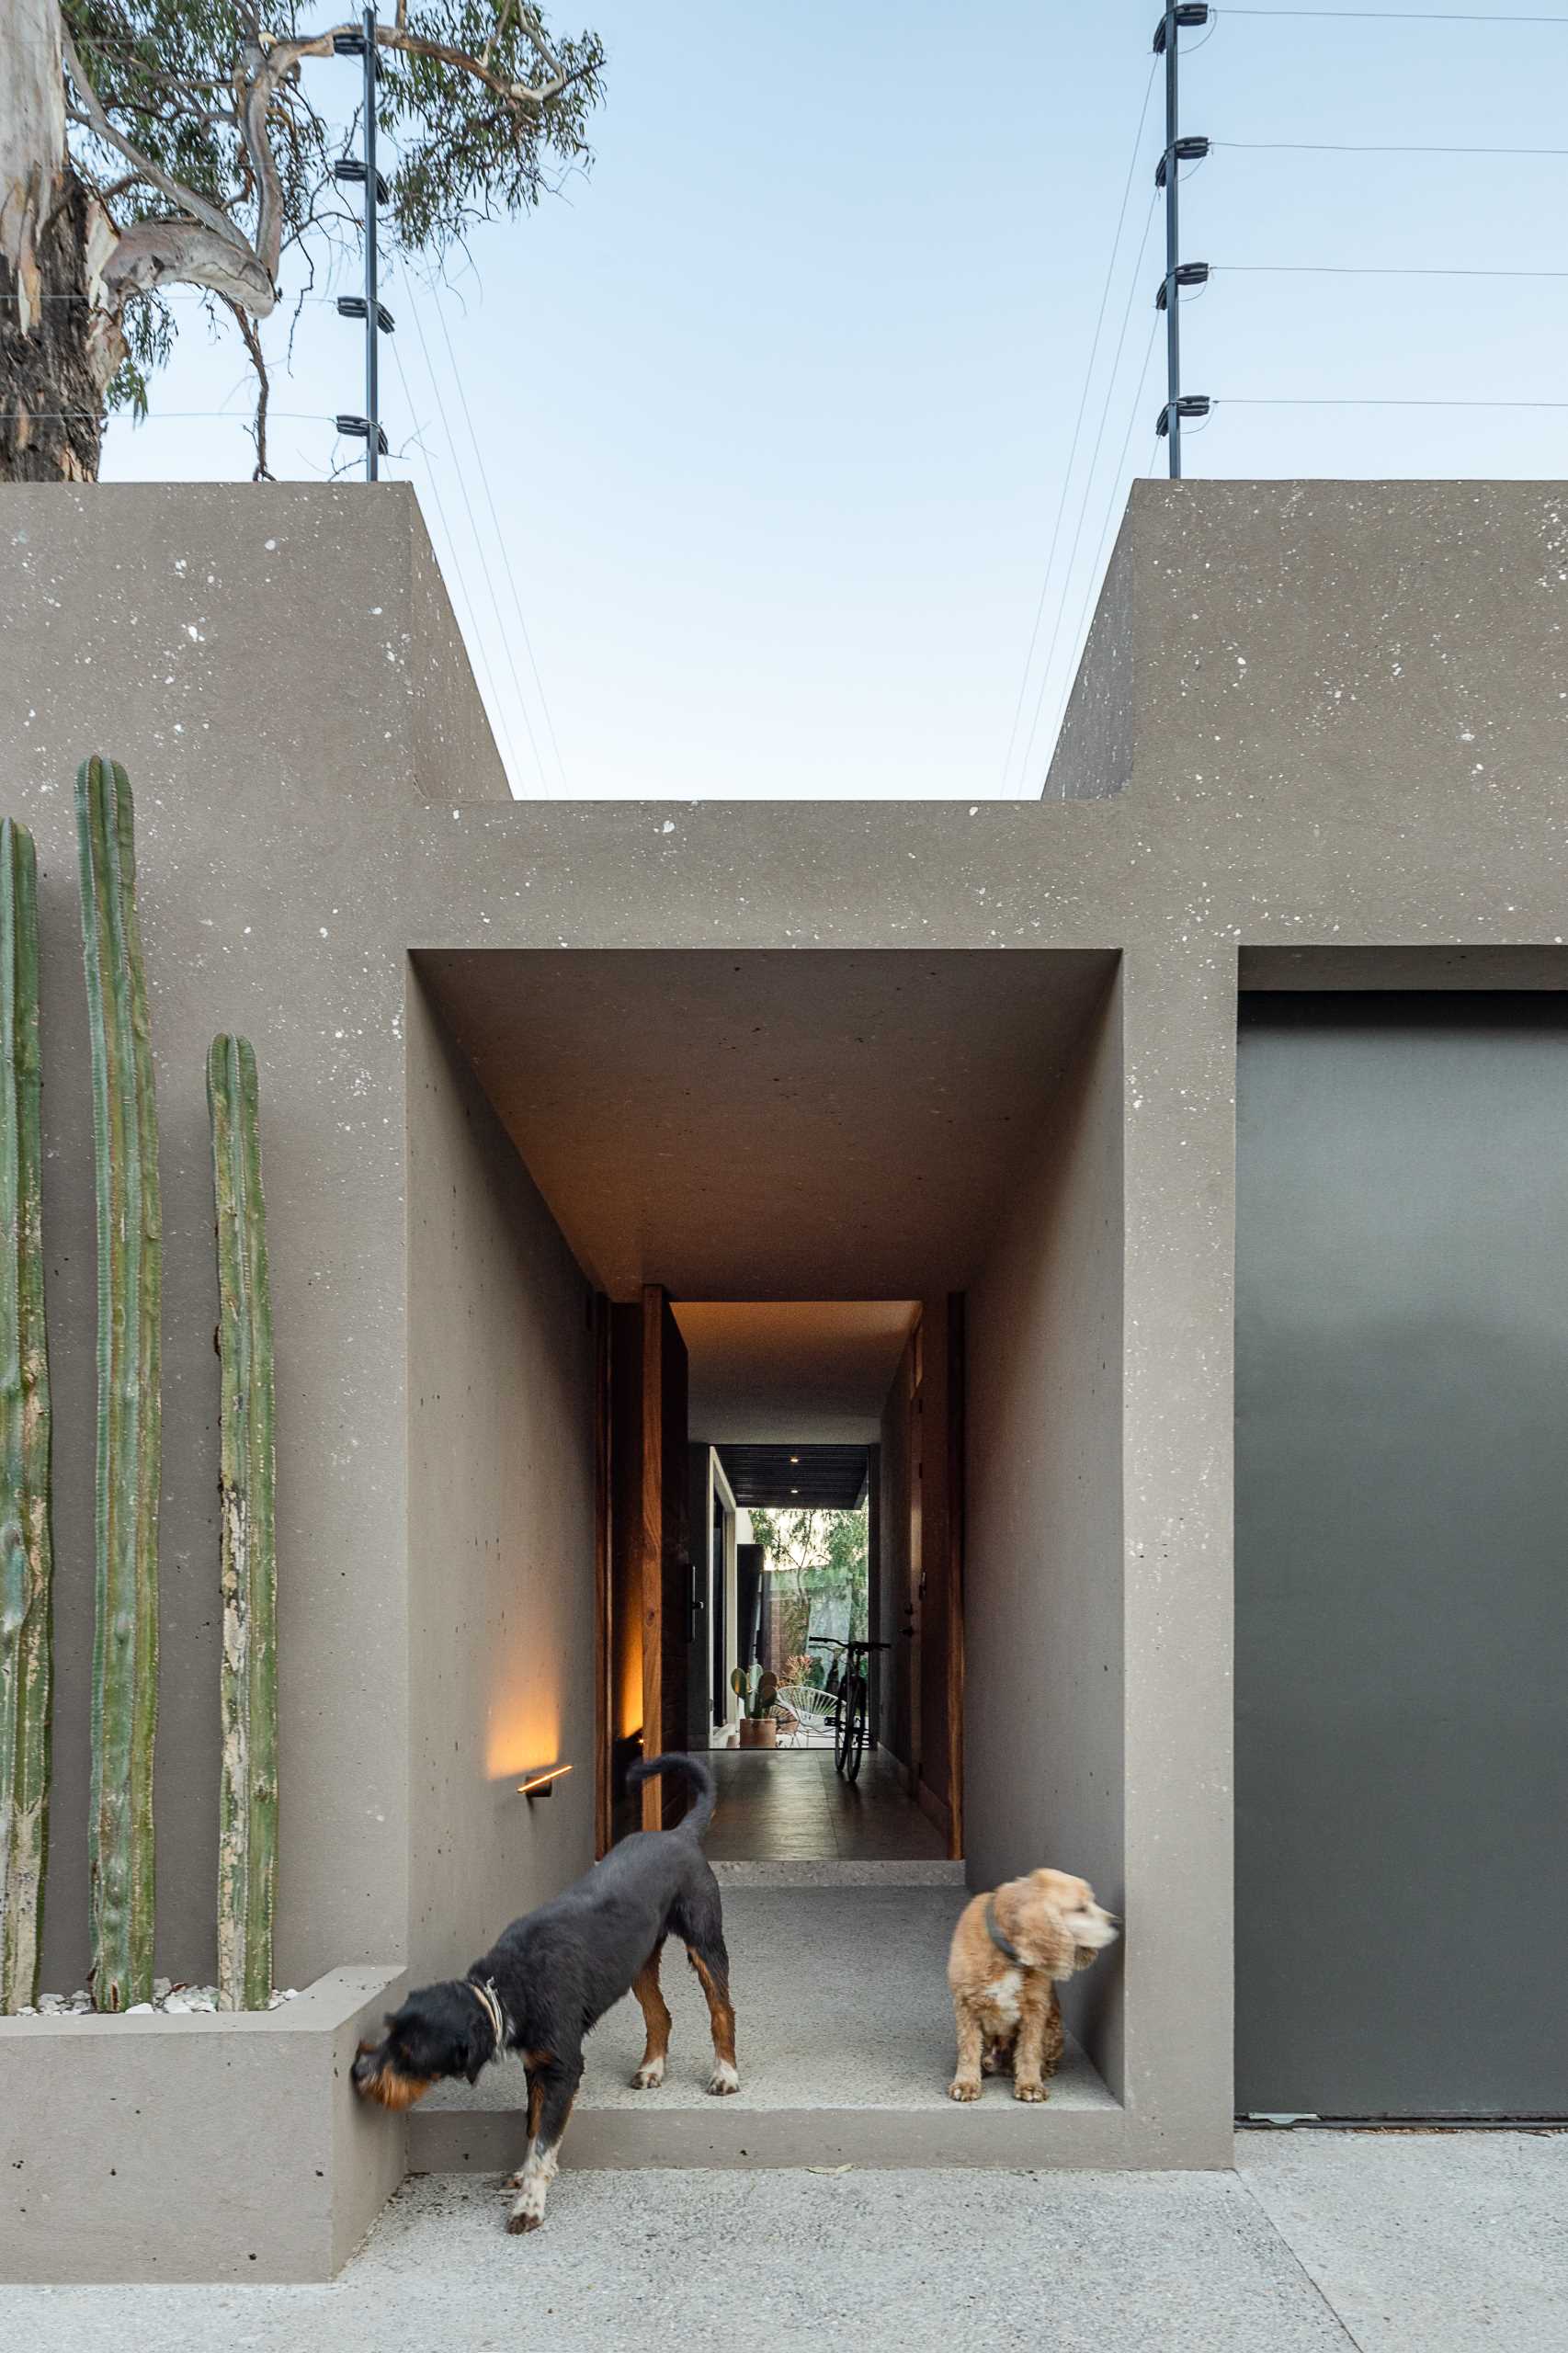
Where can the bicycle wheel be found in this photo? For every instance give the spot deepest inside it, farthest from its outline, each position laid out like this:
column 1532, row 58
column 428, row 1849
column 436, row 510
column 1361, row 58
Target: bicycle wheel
column 841, row 1729
column 854, row 1711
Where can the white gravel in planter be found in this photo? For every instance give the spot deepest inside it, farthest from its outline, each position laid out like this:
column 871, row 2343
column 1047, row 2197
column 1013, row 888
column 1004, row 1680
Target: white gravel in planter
column 173, row 2001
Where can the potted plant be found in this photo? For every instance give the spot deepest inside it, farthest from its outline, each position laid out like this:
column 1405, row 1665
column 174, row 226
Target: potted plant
column 758, row 1728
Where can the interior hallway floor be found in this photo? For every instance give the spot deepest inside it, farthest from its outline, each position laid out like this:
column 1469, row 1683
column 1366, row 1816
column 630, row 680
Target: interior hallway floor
column 789, row 1805
column 1404, row 2243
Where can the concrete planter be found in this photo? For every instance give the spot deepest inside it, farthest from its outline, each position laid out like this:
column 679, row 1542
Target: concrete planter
column 758, row 1731
column 207, row 2147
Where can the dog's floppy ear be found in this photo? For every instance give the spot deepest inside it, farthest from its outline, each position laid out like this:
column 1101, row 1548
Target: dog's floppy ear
column 477, row 2056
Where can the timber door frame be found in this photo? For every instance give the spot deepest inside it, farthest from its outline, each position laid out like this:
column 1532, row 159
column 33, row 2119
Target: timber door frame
column 604, row 1571
column 957, row 1458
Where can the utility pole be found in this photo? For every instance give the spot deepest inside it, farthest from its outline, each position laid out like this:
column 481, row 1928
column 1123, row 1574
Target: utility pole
column 366, row 306
column 1179, row 15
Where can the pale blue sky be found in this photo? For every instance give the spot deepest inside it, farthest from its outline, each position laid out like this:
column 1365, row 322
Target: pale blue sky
column 776, row 407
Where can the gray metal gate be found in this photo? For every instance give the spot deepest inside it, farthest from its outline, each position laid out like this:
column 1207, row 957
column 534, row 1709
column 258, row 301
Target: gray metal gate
column 1402, row 1555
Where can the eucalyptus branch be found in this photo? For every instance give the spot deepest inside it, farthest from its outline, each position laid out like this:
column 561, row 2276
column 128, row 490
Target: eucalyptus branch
column 94, row 116
column 251, row 342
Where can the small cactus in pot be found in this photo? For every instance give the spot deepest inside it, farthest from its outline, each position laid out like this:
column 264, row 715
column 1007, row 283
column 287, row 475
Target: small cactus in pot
column 758, row 1728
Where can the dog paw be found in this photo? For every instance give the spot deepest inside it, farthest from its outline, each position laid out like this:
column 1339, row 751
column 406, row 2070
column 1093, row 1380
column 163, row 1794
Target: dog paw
column 723, row 2079
column 964, row 2087
column 528, row 2209
column 649, row 2078
column 1035, row 2092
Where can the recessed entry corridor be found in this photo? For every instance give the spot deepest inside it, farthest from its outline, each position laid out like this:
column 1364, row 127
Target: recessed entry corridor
column 827, row 1248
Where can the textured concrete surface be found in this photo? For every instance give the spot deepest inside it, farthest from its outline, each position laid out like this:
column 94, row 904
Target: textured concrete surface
column 1057, row 2263
column 841, row 2001
column 501, row 1497
column 279, row 678
column 845, row 2043
column 838, row 1874
column 1043, row 1757
column 197, row 2147
column 1424, row 2239
column 1335, row 715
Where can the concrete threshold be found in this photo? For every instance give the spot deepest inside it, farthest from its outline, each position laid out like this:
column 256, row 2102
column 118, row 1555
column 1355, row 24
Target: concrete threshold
column 846, row 2046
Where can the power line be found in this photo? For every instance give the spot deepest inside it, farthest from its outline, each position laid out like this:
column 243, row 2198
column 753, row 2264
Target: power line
column 1396, row 16
column 1097, row 571
column 473, row 526
column 1078, row 424
column 497, row 709
column 1368, row 270
column 450, row 536
column 506, row 558
column 1088, row 482
column 1313, row 401
column 1340, row 147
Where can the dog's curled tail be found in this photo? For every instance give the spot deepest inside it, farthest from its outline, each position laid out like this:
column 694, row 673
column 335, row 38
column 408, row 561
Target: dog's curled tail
column 696, row 1773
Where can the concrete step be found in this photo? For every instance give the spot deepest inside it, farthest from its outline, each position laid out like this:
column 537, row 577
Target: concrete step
column 845, row 2043
column 837, row 1874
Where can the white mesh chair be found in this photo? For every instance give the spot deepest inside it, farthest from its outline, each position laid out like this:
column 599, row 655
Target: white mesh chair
column 810, row 1709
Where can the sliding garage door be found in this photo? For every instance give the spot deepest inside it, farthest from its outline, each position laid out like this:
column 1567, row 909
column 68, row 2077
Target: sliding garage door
column 1402, row 1555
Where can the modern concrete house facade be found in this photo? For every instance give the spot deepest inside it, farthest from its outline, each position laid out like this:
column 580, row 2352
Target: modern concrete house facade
column 515, row 1062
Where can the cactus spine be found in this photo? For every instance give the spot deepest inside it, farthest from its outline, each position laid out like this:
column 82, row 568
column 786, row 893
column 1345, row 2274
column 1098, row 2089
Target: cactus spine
column 26, row 1540
column 247, row 1839
column 125, row 1646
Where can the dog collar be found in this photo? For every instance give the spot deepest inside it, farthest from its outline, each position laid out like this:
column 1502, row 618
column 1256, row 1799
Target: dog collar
column 491, row 2002
column 1003, row 1944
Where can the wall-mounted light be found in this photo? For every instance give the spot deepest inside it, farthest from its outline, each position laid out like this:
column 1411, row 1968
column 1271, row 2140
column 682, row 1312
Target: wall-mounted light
column 543, row 1785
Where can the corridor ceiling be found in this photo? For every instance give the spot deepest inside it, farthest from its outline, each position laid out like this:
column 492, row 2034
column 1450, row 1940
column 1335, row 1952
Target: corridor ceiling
column 792, row 1372
column 771, row 1124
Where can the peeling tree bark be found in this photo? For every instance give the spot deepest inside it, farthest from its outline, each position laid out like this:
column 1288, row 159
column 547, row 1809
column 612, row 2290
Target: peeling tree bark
column 67, row 268
column 59, row 339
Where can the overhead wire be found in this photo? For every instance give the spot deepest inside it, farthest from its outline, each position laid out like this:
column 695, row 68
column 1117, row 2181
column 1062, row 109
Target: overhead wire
column 479, row 645
column 1364, row 147
column 1088, row 484
column 1313, row 400
column 1369, row 269
column 471, row 634
column 1078, row 425
column 504, row 634
column 473, row 526
column 1396, row 16
column 1096, row 570
column 506, row 554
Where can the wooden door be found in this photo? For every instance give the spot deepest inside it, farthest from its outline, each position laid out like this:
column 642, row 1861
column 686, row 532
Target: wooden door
column 644, row 1558
column 915, row 1597
column 666, row 1550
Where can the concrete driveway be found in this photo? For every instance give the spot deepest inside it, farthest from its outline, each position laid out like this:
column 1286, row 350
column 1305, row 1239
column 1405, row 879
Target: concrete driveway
column 1432, row 2242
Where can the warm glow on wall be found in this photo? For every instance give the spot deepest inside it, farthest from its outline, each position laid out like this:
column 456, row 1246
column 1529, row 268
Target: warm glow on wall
column 629, row 1699
column 520, row 1733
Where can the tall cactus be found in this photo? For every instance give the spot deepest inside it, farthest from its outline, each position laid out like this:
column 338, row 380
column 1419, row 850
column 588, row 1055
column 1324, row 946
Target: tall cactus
column 247, row 1839
column 26, row 1537
column 125, row 1646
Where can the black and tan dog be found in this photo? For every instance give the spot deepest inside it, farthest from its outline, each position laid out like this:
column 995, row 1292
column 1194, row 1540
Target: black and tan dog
column 552, row 1976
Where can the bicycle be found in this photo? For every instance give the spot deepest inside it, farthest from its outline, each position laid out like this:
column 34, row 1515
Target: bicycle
column 848, row 1687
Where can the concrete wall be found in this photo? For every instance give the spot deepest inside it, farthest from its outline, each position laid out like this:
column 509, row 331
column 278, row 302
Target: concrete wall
column 501, row 1506
column 1044, row 1761
column 281, row 675
column 1346, row 730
